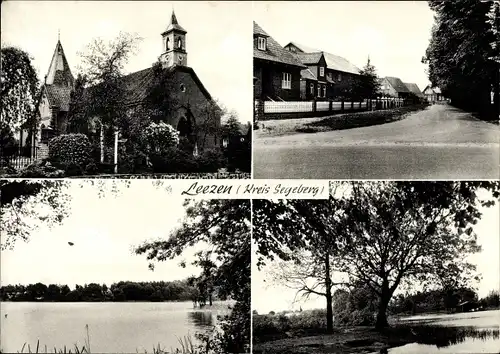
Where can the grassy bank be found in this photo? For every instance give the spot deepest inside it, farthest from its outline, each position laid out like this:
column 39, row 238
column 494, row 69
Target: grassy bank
column 305, row 332
column 274, row 128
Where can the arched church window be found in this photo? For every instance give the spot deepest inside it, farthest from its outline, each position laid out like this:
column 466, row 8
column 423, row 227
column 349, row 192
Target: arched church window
column 179, row 43
column 184, row 128
column 167, row 44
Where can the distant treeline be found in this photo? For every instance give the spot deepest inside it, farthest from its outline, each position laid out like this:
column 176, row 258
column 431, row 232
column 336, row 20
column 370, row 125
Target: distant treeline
column 180, row 290
column 441, row 300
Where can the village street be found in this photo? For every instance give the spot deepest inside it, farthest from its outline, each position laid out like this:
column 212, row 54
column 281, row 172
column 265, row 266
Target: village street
column 440, row 142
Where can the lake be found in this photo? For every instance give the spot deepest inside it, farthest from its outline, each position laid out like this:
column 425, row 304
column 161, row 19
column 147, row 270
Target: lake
column 119, row 327
column 472, row 332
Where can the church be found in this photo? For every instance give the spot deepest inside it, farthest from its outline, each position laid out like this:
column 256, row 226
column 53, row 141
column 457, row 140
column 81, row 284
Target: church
column 190, row 96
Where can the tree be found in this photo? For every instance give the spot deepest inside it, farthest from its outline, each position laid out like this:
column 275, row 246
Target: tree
column 20, row 89
column 367, row 85
column 310, row 222
column 421, row 232
column 101, row 78
column 459, row 53
column 209, row 124
column 225, row 226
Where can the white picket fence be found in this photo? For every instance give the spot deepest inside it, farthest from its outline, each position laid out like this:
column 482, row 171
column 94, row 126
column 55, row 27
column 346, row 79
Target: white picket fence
column 287, row 107
column 324, row 106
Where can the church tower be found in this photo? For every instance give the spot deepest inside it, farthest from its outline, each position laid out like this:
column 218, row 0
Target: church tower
column 174, row 44
column 59, row 73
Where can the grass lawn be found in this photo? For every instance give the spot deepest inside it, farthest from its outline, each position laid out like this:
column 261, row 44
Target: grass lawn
column 281, row 127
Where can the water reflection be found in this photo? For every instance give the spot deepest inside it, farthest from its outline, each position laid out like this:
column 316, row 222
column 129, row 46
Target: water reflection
column 446, row 336
column 434, row 339
column 201, row 318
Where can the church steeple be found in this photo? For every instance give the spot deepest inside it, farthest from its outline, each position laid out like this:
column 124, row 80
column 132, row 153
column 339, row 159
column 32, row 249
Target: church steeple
column 174, row 44
column 59, row 72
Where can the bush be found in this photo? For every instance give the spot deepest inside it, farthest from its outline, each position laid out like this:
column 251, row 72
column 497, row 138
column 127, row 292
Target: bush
column 161, row 137
column 71, row 152
column 210, row 161
column 173, row 161
column 41, row 169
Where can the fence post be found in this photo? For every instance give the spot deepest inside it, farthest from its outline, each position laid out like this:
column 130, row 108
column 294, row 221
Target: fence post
column 330, row 105
column 259, row 110
column 314, row 105
column 352, row 105
column 342, row 106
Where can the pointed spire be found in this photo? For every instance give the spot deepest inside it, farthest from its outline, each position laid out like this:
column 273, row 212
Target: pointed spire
column 174, row 24
column 59, row 35
column 368, row 59
column 59, row 72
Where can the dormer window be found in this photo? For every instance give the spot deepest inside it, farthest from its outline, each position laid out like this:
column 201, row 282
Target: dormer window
column 321, row 71
column 261, row 43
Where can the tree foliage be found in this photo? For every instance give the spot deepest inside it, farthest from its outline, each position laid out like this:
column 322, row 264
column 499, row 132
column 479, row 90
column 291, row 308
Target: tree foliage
column 20, row 88
column 225, row 226
column 460, row 53
column 367, row 85
column 384, row 233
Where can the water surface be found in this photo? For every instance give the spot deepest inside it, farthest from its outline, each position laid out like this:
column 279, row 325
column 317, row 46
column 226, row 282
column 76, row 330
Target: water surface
column 473, row 332
column 113, row 326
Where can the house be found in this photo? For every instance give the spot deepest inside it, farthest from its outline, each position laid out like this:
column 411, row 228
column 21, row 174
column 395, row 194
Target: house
column 433, row 94
column 415, row 90
column 188, row 93
column 314, row 81
column 277, row 72
column 467, row 306
column 393, row 87
column 340, row 73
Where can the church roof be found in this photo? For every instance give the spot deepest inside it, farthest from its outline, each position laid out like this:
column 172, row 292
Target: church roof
column 59, row 72
column 137, row 85
column 333, row 61
column 174, row 25
column 58, row 96
column 59, row 80
column 274, row 51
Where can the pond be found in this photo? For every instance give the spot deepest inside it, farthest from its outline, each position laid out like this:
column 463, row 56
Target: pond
column 473, row 332
column 116, row 327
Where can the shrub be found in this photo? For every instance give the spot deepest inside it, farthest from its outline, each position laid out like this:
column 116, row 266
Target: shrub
column 210, row 161
column 173, row 161
column 41, row 169
column 70, row 151
column 161, row 137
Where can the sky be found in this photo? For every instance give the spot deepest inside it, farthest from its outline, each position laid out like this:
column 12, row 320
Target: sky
column 218, row 46
column 103, row 232
column 395, row 34
column 268, row 295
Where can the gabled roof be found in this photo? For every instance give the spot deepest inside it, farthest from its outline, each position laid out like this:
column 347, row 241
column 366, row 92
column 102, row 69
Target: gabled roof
column 174, row 25
column 59, row 72
column 274, row 52
column 58, row 96
column 137, row 85
column 309, row 58
column 397, row 84
column 333, row 61
column 307, row 74
column 414, row 89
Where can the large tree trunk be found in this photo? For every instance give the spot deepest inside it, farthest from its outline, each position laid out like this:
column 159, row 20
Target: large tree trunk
column 329, row 299
column 385, row 296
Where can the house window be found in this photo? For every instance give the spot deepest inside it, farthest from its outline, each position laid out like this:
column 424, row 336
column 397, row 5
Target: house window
column 321, row 71
column 311, row 86
column 329, row 76
column 324, row 91
column 286, row 83
column 261, row 43
column 339, row 77
column 319, row 90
